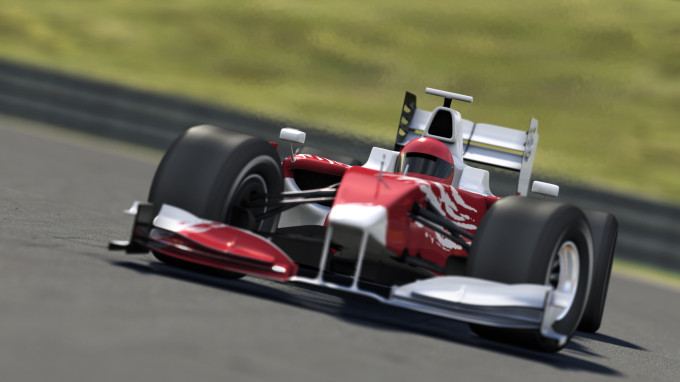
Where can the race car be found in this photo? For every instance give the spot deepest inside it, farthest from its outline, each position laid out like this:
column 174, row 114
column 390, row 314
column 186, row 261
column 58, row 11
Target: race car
column 416, row 226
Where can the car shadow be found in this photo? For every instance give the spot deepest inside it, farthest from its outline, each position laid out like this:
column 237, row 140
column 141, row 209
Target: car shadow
column 609, row 340
column 364, row 311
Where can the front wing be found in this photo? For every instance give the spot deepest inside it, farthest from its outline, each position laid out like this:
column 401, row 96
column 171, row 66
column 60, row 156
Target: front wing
column 179, row 234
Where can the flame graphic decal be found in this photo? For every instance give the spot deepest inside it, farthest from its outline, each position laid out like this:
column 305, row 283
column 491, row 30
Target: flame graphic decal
column 448, row 202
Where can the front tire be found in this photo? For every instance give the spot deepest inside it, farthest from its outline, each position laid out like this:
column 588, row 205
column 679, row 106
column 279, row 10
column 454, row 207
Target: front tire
column 533, row 241
column 214, row 173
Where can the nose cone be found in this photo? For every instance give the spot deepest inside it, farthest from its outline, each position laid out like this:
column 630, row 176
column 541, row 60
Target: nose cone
column 365, row 217
column 367, row 187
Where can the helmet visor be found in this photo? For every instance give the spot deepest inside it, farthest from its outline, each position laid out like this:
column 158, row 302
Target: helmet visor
column 425, row 164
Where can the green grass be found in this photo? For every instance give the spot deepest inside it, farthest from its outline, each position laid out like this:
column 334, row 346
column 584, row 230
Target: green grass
column 602, row 77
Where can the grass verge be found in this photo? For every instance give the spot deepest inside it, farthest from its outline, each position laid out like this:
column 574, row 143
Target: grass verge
column 647, row 273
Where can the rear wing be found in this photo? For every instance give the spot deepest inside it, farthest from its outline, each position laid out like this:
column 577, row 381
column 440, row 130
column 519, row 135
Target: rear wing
column 497, row 146
column 502, row 147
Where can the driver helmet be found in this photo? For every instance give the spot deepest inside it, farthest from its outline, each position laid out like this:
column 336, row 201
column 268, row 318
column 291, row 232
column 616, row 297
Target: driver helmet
column 426, row 158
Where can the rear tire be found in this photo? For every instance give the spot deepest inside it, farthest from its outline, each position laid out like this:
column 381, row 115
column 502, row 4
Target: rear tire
column 605, row 230
column 212, row 172
column 533, row 241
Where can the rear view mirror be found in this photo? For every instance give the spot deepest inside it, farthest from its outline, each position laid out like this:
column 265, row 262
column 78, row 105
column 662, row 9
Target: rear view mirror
column 547, row 189
column 292, row 135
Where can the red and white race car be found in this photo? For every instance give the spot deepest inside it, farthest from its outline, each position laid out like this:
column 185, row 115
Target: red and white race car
column 414, row 227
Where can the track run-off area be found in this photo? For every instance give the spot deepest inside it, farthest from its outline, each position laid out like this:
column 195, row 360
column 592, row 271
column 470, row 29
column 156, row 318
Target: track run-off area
column 71, row 310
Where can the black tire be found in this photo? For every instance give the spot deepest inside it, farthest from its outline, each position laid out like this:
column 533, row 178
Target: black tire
column 210, row 171
column 456, row 266
column 518, row 242
column 605, row 230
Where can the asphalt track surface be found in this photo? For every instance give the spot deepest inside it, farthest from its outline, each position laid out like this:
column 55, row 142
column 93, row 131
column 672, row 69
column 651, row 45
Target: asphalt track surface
column 72, row 311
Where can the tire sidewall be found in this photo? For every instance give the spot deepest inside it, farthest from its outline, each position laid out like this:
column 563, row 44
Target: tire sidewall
column 263, row 165
column 578, row 232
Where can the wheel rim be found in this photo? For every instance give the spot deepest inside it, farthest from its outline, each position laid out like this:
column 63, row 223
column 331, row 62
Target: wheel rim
column 563, row 276
column 251, row 186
